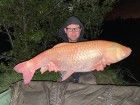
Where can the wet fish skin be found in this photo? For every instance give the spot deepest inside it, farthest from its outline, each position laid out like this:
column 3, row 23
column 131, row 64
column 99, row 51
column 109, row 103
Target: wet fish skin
column 68, row 58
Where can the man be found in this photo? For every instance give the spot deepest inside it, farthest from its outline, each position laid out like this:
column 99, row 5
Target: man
column 73, row 31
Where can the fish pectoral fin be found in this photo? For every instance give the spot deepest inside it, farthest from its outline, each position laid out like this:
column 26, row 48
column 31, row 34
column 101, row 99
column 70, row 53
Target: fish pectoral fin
column 27, row 76
column 66, row 74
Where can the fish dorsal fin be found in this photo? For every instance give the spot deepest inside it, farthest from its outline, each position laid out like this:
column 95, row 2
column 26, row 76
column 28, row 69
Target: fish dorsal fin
column 60, row 44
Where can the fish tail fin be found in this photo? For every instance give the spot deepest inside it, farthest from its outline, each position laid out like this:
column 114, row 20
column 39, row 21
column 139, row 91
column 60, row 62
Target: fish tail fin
column 27, row 74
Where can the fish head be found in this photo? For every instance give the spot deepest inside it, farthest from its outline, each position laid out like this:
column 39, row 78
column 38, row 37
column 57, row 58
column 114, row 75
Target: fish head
column 117, row 52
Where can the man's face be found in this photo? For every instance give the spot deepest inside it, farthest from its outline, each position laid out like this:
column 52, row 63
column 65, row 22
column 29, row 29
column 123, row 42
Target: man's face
column 73, row 32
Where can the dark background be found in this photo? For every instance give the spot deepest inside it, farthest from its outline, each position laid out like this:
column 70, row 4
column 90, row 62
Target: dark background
column 122, row 25
column 126, row 32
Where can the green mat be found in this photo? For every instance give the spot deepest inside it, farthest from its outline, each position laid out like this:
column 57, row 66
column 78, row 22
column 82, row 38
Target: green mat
column 5, row 97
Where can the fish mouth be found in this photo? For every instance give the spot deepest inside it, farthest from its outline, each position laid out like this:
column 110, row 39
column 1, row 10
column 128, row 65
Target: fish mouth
column 122, row 54
column 128, row 51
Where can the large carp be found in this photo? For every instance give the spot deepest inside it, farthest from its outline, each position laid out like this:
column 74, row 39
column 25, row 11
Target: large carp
column 68, row 58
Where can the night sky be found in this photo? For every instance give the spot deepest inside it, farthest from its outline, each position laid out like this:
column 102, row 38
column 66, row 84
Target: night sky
column 125, row 9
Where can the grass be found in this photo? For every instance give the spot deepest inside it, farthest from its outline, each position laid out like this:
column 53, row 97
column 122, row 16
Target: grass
column 8, row 77
column 108, row 76
column 52, row 76
column 117, row 76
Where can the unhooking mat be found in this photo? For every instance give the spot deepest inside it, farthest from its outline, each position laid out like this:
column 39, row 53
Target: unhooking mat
column 60, row 93
column 5, row 97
